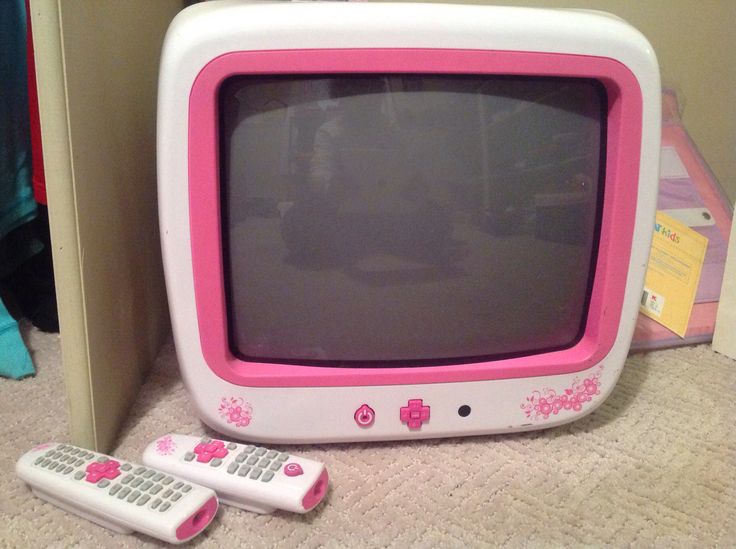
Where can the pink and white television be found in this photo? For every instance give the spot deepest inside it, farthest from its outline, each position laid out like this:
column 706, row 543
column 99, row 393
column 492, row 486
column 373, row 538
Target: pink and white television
column 393, row 221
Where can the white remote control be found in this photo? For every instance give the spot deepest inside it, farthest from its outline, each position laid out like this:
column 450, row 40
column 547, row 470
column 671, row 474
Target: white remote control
column 116, row 494
column 243, row 475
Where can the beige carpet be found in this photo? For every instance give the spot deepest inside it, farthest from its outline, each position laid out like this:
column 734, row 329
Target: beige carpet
column 654, row 466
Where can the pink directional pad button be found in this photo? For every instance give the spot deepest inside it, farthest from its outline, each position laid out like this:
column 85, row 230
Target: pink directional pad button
column 96, row 470
column 207, row 450
column 414, row 413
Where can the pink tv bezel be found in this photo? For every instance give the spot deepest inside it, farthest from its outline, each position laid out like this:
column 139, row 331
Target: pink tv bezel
column 623, row 146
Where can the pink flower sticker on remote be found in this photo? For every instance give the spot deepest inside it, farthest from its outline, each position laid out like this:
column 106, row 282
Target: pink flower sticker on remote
column 293, row 470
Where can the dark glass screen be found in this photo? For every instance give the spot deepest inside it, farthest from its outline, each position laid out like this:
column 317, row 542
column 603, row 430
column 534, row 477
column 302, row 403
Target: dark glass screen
column 408, row 219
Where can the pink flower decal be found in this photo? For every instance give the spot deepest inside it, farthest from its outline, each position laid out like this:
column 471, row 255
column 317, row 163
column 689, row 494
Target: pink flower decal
column 546, row 402
column 165, row 446
column 236, row 410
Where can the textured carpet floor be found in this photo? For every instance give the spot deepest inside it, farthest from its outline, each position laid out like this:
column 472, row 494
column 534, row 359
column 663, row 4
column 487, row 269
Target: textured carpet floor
column 654, row 466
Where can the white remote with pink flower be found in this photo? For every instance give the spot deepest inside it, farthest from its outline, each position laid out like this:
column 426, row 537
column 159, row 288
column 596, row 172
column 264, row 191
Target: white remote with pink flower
column 243, row 475
column 119, row 495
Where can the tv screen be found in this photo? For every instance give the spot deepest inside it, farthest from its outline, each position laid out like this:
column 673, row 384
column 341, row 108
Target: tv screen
column 399, row 220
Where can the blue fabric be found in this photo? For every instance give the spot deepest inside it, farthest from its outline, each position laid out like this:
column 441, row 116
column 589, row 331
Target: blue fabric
column 15, row 361
column 17, row 205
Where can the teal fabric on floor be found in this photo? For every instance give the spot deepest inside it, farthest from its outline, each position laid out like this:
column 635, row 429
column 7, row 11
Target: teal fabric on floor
column 15, row 361
column 17, row 205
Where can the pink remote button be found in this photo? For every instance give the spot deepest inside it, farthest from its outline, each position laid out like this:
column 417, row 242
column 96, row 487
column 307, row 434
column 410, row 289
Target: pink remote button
column 207, row 450
column 364, row 416
column 293, row 470
column 414, row 413
column 96, row 470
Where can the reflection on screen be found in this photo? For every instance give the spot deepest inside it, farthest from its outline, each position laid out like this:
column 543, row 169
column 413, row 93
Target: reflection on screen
column 408, row 218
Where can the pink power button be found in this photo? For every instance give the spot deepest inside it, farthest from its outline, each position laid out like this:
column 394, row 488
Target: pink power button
column 364, row 416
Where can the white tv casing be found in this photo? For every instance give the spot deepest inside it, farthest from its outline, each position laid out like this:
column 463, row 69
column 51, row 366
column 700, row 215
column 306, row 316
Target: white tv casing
column 206, row 31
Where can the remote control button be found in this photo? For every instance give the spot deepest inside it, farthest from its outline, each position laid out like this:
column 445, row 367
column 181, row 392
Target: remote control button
column 248, row 449
column 255, row 473
column 45, row 462
column 205, row 440
column 164, row 507
column 293, row 470
column 264, row 463
column 157, row 477
column 149, row 473
column 232, row 468
column 68, row 470
column 79, row 475
column 261, row 451
column 267, row 476
column 175, row 497
column 252, row 460
column 244, row 469
column 156, row 503
column 414, row 414
column 167, row 493
column 104, row 483
column 93, row 477
column 232, row 446
column 49, row 453
column 216, row 462
column 39, row 459
column 186, row 488
column 143, row 499
column 137, row 482
column 167, row 480
column 189, row 456
column 206, row 451
column 124, row 492
column 75, row 451
column 102, row 459
column 283, row 457
column 126, row 466
column 127, row 479
column 272, row 454
column 79, row 463
column 178, row 485
column 115, row 489
column 140, row 470
column 146, row 485
column 134, row 496
column 275, row 466
column 55, row 455
column 240, row 458
column 155, row 489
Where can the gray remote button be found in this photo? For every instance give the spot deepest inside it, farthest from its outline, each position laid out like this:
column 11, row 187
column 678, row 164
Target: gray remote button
column 48, row 454
column 265, row 462
column 232, row 446
column 55, row 455
column 275, row 466
column 79, row 475
column 114, row 489
column 248, row 449
column 68, row 470
column 268, row 475
column 61, row 447
column 146, row 485
column 102, row 459
column 139, row 470
column 157, row 477
column 252, row 460
column 149, row 473
column 137, row 482
column 167, row 481
column 283, row 457
column 143, row 499
column 244, row 469
column 58, row 466
column 127, row 479
column 261, row 451
column 134, row 496
column 39, row 459
column 167, row 493
column 178, row 485
column 164, row 507
column 256, row 473
column 216, row 462
column 126, row 467
column 45, row 462
column 189, row 456
column 240, row 458
column 156, row 503
column 205, row 440
column 79, row 462
column 232, row 467
column 155, row 490
column 186, row 488
column 176, row 497
column 124, row 492
column 104, row 483
column 272, row 454
column 76, row 451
